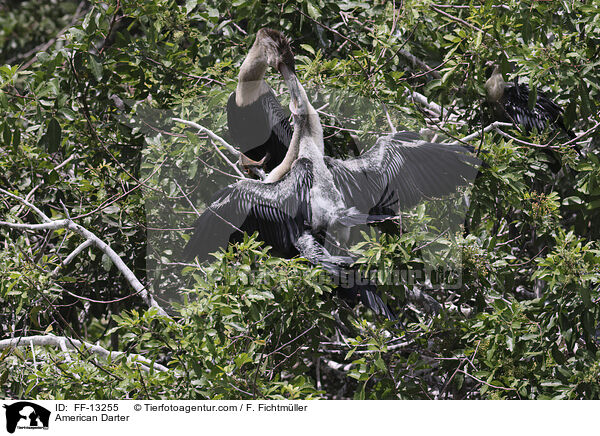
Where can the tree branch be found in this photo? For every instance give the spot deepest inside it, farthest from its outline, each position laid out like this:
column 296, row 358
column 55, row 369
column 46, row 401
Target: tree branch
column 423, row 101
column 65, row 343
column 42, row 215
column 258, row 172
column 85, row 244
column 493, row 126
column 416, row 62
column 89, row 236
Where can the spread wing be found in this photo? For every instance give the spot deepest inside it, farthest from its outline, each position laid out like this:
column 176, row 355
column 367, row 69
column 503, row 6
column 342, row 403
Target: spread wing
column 276, row 210
column 400, row 171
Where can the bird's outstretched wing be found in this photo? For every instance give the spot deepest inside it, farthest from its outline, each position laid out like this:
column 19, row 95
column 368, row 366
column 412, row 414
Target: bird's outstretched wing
column 259, row 128
column 400, row 171
column 276, row 210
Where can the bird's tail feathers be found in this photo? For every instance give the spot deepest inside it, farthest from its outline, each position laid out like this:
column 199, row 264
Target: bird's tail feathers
column 367, row 295
column 355, row 218
column 335, row 264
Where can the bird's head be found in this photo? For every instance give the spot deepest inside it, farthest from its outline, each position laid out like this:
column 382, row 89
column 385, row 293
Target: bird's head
column 491, row 68
column 494, row 86
column 278, row 53
column 276, row 48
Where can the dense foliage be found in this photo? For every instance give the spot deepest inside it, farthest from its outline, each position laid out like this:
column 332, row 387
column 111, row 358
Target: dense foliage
column 87, row 92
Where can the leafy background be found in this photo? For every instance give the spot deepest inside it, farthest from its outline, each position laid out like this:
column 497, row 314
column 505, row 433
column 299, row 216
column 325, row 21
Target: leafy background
column 524, row 323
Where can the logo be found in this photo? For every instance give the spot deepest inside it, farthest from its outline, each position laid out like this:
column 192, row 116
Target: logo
column 26, row 415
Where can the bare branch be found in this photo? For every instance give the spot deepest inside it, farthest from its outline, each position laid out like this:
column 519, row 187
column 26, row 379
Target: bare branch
column 28, row 204
column 577, row 138
column 478, row 133
column 416, row 62
column 389, row 119
column 337, row 366
column 226, row 159
column 258, row 172
column 113, row 256
column 85, row 244
column 484, row 382
column 210, row 133
column 423, row 101
column 470, row 6
column 65, row 343
column 520, row 141
column 217, row 138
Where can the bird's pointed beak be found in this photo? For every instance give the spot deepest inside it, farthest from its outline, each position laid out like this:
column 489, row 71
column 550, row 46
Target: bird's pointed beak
column 248, row 163
column 285, row 71
column 292, row 82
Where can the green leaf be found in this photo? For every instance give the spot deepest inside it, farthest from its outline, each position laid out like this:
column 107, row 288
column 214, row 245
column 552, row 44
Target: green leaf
column 585, row 107
column 308, row 48
column 95, row 67
column 106, row 262
column 16, row 139
column 478, row 39
column 190, row 5
column 53, row 135
column 313, row 11
column 380, row 364
column 558, row 356
column 585, row 296
column 43, row 57
column 570, row 113
column 532, row 96
column 3, row 100
column 360, row 393
column 6, row 134
column 526, row 29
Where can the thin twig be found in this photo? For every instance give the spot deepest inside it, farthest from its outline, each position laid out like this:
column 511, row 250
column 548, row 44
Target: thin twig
column 85, row 244
column 478, row 133
column 594, row 127
column 484, row 382
column 217, row 138
column 472, row 26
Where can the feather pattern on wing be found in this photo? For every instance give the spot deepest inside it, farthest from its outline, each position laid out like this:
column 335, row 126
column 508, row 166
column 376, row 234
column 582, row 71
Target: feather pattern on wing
column 400, row 171
column 545, row 111
column 278, row 211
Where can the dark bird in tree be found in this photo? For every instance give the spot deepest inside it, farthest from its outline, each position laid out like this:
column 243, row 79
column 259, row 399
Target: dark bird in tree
column 310, row 196
column 257, row 123
column 510, row 102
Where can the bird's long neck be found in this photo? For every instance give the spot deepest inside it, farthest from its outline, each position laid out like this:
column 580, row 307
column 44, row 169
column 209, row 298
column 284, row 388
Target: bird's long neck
column 307, row 124
column 250, row 80
column 495, row 86
column 307, row 139
column 286, row 164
